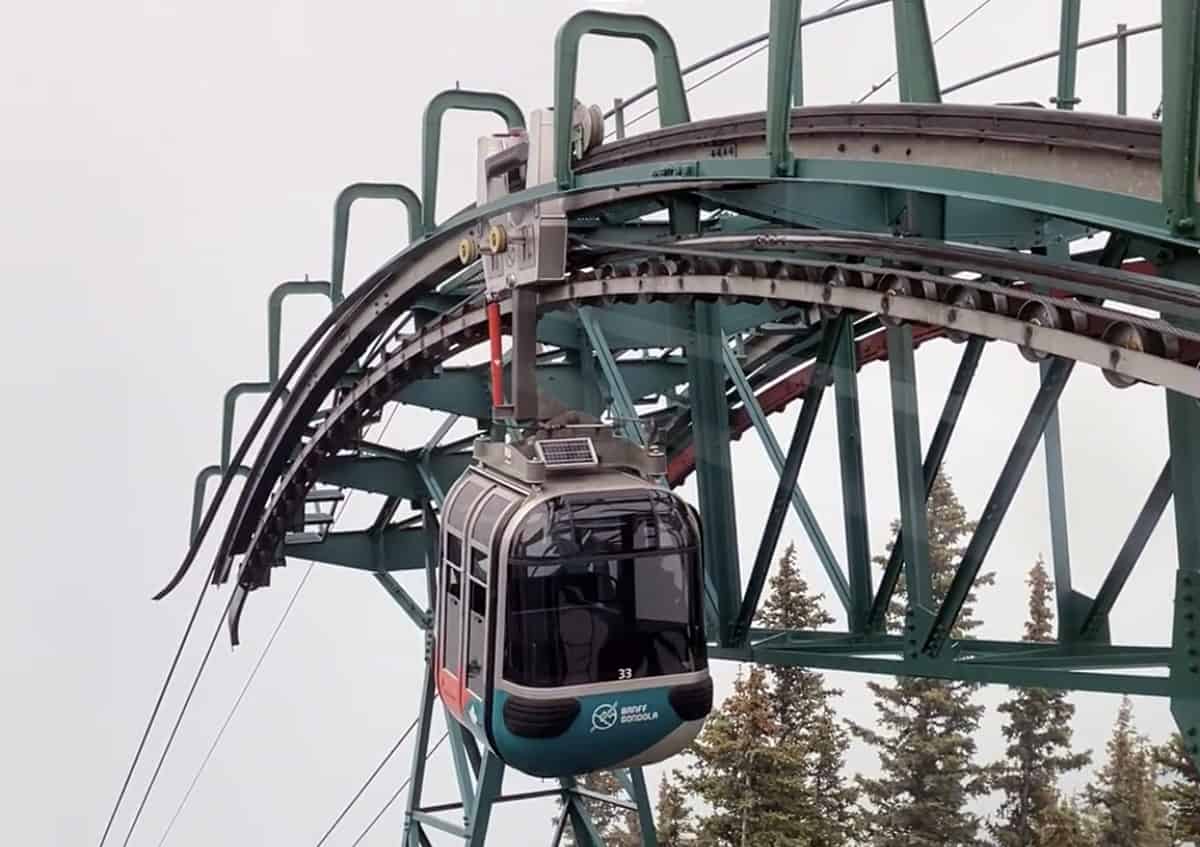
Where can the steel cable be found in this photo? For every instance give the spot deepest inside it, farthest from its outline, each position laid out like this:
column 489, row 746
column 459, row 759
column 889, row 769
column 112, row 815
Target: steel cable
column 206, row 523
column 370, row 779
column 258, row 664
column 717, row 73
column 937, row 40
column 399, row 790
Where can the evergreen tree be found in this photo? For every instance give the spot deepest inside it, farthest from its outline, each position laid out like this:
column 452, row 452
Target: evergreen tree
column 1124, row 797
column 673, row 825
column 825, row 804
column 925, row 732
column 1067, row 825
column 1039, row 744
column 742, row 775
column 769, row 761
column 1182, row 793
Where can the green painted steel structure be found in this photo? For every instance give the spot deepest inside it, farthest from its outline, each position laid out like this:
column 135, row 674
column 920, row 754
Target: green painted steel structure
column 690, row 360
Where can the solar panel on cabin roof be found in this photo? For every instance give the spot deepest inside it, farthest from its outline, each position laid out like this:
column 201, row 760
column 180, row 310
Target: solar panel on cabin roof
column 567, row 452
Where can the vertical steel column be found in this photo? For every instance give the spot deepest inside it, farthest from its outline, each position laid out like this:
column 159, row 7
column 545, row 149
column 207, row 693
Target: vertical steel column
column 420, row 750
column 714, row 465
column 619, row 117
column 641, row 797
column 1183, row 423
column 914, row 536
column 491, row 778
column 1181, row 100
column 916, row 67
column 1122, row 69
column 798, row 69
column 1056, row 497
column 933, row 463
column 854, row 487
column 917, row 76
column 1068, row 54
column 781, row 58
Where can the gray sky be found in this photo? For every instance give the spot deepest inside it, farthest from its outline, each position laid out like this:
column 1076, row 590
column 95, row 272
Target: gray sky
column 165, row 164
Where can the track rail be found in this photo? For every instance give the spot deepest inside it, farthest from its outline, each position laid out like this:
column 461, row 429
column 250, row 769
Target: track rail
column 1097, row 151
column 1113, row 153
column 933, row 301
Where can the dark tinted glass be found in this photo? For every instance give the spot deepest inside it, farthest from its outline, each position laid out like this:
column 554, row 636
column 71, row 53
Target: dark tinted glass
column 456, row 515
column 607, row 589
column 476, row 638
column 603, row 524
column 485, row 521
column 453, row 549
column 453, row 622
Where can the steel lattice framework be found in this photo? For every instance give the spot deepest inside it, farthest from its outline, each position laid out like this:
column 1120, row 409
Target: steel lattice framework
column 799, row 245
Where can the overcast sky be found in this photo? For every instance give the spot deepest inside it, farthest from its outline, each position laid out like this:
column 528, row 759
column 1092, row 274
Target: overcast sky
column 166, row 164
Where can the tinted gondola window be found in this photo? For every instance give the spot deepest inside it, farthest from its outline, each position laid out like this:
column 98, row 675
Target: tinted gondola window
column 453, row 621
column 603, row 587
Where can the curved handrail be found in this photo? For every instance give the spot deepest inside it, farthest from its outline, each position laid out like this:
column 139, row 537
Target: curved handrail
column 341, row 222
column 431, row 134
column 672, row 99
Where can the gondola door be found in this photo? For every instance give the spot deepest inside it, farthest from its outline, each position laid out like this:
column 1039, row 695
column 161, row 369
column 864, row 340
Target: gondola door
column 451, row 641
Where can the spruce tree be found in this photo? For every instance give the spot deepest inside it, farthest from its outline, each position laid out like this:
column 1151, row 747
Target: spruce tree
column 741, row 774
column 673, row 824
column 1181, row 793
column 1038, row 731
column 925, row 732
column 824, row 804
column 1124, row 798
column 769, row 761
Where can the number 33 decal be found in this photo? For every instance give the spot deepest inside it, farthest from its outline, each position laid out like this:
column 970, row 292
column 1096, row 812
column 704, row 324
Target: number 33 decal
column 625, row 673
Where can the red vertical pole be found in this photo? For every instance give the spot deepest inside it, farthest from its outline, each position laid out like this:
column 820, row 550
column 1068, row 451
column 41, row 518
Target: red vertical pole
column 493, row 314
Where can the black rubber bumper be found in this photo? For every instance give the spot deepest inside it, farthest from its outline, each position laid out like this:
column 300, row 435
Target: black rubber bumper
column 692, row 701
column 542, row 718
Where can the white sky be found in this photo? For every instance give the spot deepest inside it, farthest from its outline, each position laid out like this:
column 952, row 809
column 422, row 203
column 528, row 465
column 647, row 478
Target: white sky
column 165, row 164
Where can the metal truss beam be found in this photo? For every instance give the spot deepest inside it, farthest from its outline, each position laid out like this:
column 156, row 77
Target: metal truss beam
column 914, row 531
column 1095, row 623
column 830, row 341
column 396, row 548
column 853, row 473
column 394, row 476
column 841, row 588
column 938, row 633
column 714, row 466
column 934, row 456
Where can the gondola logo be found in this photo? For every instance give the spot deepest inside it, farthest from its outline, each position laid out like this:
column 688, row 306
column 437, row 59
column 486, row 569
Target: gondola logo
column 604, row 717
column 607, row 715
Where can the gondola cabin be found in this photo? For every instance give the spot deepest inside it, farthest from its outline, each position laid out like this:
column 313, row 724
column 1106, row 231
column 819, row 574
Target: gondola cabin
column 569, row 624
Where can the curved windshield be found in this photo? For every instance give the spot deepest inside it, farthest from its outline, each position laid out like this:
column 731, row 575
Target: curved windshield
column 603, row 587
